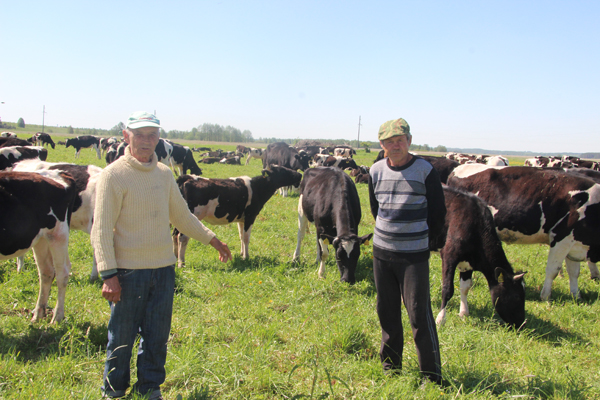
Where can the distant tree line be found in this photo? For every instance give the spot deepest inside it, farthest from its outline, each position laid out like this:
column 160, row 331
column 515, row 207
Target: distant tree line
column 213, row 133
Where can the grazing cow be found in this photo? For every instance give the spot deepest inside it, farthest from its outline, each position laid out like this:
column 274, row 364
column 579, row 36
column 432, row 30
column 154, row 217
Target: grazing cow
column 235, row 160
column 84, row 142
column 443, row 165
column 35, row 209
column 8, row 134
column 12, row 141
column 223, row 201
column 9, row 156
column 183, row 160
column 328, row 198
column 85, row 177
column 242, row 149
column 254, row 153
column 470, row 243
column 533, row 205
column 41, row 138
column 210, row 160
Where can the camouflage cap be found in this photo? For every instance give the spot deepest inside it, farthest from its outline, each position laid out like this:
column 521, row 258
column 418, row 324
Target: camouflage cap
column 395, row 127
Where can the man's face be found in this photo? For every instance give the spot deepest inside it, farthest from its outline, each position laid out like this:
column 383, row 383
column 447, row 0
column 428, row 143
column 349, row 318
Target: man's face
column 142, row 142
column 397, row 149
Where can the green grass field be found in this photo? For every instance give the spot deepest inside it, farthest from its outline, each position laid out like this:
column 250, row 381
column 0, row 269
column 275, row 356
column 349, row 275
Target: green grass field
column 266, row 328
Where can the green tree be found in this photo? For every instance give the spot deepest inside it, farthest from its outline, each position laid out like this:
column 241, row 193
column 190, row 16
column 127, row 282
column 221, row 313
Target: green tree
column 21, row 123
column 70, row 130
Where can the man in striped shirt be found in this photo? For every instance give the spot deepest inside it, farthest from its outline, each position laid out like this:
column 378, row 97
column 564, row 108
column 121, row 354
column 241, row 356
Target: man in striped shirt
column 407, row 202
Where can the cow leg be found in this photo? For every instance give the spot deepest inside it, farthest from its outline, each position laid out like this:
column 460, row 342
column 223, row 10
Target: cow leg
column 302, row 229
column 448, row 271
column 94, row 274
column 20, row 263
column 573, row 268
column 183, row 242
column 97, row 152
column 322, row 255
column 43, row 260
column 466, row 283
column 248, row 159
column 594, row 273
column 244, row 239
column 59, row 248
column 77, row 153
column 556, row 255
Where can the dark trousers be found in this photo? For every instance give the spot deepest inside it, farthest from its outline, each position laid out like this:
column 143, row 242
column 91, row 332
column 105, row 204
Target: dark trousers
column 401, row 280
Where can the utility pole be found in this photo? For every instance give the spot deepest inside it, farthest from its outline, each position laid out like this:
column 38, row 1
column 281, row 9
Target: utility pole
column 358, row 140
column 43, row 118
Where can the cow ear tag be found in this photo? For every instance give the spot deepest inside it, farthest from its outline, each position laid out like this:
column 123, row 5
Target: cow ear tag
column 367, row 243
column 326, row 242
column 501, row 278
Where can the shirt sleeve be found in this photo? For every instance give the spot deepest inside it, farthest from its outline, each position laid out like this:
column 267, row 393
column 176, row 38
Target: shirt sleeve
column 436, row 204
column 373, row 199
column 109, row 198
column 184, row 220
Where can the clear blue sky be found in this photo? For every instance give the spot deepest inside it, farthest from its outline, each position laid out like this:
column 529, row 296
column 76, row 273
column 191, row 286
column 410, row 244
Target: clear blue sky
column 504, row 75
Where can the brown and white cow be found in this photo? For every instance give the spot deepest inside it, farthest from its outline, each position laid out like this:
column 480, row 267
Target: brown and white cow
column 470, row 243
column 224, row 201
column 9, row 156
column 34, row 214
column 84, row 142
column 535, row 205
column 328, row 199
column 85, row 177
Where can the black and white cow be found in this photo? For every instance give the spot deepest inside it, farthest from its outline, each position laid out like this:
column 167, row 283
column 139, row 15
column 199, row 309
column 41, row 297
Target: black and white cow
column 182, row 160
column 210, row 160
column 41, row 138
column 13, row 141
column 115, row 151
column 328, row 198
column 340, row 162
column 281, row 154
column 34, row 214
column 85, row 177
column 224, row 201
column 9, row 156
column 106, row 143
column 254, row 153
column 470, row 243
column 84, row 142
column 8, row 135
column 233, row 160
column 536, row 205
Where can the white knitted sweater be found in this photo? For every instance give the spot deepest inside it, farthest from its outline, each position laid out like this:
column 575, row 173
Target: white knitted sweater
column 134, row 204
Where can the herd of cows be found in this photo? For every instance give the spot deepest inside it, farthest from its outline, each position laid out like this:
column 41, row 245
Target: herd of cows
column 487, row 202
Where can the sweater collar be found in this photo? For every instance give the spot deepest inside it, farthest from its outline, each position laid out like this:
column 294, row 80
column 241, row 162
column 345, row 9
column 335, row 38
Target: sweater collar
column 131, row 160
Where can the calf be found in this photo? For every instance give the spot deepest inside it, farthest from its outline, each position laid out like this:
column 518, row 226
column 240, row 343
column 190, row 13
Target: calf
column 210, row 160
column 328, row 198
column 85, row 177
column 469, row 241
column 9, row 156
column 533, row 205
column 84, row 142
column 254, row 153
column 223, row 201
column 362, row 178
column 235, row 160
column 35, row 209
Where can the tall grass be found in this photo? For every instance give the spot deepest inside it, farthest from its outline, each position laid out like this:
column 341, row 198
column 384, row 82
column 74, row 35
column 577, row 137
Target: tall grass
column 267, row 328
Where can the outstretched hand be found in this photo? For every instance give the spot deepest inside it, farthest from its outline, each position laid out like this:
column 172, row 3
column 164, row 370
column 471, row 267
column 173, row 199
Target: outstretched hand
column 224, row 252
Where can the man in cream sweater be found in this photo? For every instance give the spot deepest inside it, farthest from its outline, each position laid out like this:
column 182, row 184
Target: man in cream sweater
column 136, row 199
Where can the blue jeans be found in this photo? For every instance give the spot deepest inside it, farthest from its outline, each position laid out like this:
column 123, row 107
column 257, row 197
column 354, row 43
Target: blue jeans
column 145, row 308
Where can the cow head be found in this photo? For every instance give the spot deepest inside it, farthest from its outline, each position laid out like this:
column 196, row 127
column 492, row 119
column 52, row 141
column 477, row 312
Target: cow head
column 282, row 176
column 347, row 251
column 508, row 297
column 68, row 143
column 303, row 159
